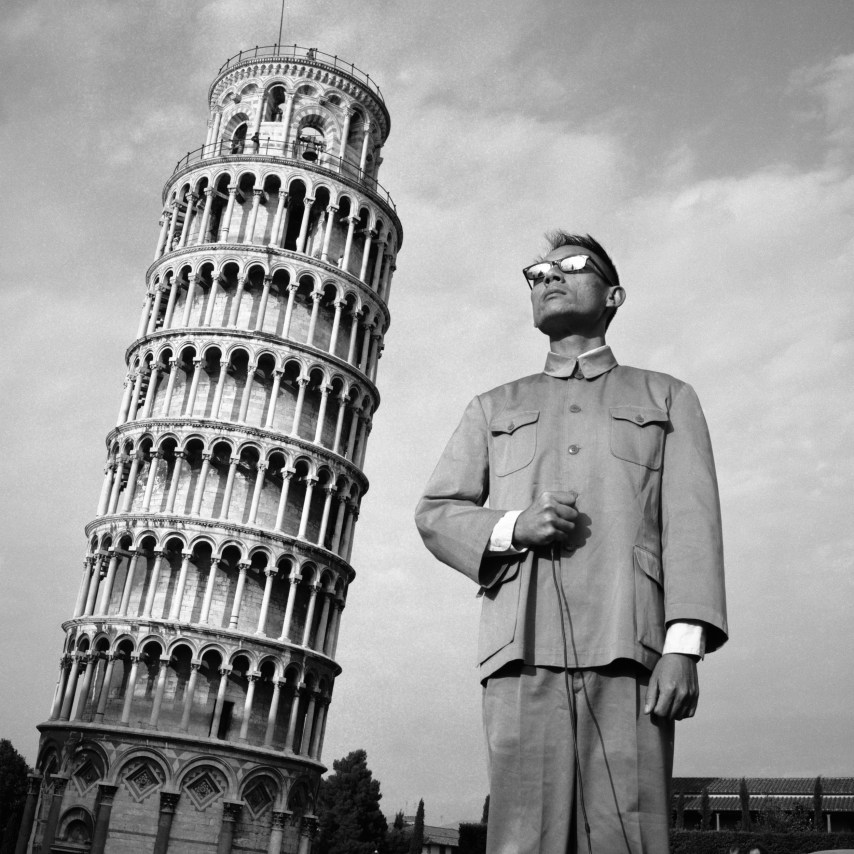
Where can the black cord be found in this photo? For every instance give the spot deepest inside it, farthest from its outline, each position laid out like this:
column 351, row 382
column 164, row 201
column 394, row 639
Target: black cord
column 569, row 697
column 563, row 603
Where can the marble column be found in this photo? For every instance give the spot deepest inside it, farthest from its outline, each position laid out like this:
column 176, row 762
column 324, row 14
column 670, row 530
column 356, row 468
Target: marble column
column 309, row 617
column 189, row 695
column 159, row 689
column 348, row 243
column 209, row 591
column 25, row 829
column 178, row 597
column 277, row 831
column 274, row 399
column 234, row 619
column 129, row 689
column 103, row 693
column 303, row 231
column 273, row 712
column 168, row 803
column 220, row 700
column 106, row 793
column 206, row 215
column 366, row 254
column 327, row 235
column 128, row 585
column 252, row 679
column 308, row 830
column 154, row 462
column 289, row 608
column 60, row 781
column 262, row 306
column 74, row 668
column 249, row 234
column 269, row 575
column 247, row 392
column 287, row 474
column 230, row 816
column 192, row 198
column 306, row 507
column 225, row 223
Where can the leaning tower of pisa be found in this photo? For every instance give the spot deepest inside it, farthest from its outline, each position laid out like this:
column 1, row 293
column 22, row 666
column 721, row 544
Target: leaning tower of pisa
column 198, row 665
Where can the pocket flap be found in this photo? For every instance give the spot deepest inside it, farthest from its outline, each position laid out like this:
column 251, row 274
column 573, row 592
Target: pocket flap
column 639, row 414
column 507, row 422
column 649, row 564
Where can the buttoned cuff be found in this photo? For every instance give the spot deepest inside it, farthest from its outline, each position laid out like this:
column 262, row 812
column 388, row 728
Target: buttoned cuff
column 501, row 539
column 686, row 637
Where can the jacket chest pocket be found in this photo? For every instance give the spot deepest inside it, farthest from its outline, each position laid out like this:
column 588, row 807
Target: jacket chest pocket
column 637, row 434
column 514, row 440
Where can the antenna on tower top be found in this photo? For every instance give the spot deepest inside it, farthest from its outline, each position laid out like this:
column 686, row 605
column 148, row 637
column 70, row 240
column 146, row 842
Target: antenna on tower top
column 281, row 20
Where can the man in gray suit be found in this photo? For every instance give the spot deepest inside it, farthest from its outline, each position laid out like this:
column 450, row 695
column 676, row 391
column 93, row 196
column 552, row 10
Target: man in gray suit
column 600, row 563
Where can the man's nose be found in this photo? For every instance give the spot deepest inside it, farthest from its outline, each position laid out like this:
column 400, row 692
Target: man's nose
column 553, row 275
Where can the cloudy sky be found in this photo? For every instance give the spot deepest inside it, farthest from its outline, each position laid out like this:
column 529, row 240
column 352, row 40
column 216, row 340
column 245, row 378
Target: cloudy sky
column 707, row 144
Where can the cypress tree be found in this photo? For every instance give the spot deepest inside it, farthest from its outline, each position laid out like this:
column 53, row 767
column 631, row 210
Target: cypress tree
column 417, row 841
column 817, row 793
column 744, row 797
column 705, row 810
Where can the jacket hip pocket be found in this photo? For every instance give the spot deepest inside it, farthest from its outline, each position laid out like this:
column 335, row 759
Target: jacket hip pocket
column 499, row 607
column 649, row 599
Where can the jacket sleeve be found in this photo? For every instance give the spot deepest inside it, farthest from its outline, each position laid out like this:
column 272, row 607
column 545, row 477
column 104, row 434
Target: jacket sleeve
column 451, row 518
column 691, row 538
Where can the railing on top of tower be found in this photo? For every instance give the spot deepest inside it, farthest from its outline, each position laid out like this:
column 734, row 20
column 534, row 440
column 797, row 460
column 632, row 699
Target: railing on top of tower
column 294, row 51
column 301, row 149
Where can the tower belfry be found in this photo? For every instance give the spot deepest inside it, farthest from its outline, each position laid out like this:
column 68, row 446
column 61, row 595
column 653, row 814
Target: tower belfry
column 198, row 666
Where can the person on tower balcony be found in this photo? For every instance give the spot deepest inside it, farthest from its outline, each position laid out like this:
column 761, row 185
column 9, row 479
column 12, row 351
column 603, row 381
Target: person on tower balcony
column 600, row 565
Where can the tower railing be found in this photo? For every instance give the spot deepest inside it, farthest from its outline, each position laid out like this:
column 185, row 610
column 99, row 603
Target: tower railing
column 304, row 153
column 294, row 51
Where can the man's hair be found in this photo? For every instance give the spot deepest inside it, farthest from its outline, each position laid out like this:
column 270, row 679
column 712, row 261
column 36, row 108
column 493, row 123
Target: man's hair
column 558, row 237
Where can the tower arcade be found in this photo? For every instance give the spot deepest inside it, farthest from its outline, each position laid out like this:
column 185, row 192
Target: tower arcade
column 198, row 665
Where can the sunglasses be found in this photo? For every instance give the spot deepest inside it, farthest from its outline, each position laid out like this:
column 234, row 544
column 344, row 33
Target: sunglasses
column 571, row 264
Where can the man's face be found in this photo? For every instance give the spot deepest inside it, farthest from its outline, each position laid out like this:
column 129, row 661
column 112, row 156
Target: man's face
column 565, row 303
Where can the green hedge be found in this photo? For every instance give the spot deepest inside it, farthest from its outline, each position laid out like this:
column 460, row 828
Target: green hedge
column 719, row 842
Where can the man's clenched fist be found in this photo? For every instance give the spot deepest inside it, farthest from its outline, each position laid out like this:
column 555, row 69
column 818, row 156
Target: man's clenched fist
column 550, row 519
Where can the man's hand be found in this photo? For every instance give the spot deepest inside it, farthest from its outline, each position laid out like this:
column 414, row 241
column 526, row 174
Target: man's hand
column 673, row 688
column 551, row 518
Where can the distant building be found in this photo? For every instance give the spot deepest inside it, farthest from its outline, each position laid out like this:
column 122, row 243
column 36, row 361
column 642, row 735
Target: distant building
column 783, row 794
column 437, row 840
column 440, row 840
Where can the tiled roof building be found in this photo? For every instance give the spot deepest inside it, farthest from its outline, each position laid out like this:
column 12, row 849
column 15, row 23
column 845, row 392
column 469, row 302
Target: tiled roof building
column 764, row 795
column 440, row 840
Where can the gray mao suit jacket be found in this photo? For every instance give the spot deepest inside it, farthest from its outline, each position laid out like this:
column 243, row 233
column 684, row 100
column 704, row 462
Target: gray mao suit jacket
column 647, row 548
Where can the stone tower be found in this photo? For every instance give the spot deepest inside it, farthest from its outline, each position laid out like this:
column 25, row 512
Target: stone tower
column 199, row 663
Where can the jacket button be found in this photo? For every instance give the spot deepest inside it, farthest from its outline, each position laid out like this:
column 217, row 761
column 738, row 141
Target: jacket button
column 639, row 419
column 573, row 449
column 511, row 426
column 575, row 408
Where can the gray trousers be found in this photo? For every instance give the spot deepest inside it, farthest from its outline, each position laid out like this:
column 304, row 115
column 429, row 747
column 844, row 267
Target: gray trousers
column 535, row 799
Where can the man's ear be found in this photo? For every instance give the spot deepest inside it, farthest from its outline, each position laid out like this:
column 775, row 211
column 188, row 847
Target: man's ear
column 616, row 297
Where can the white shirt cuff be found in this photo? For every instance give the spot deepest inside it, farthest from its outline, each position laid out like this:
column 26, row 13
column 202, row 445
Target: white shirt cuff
column 501, row 539
column 685, row 637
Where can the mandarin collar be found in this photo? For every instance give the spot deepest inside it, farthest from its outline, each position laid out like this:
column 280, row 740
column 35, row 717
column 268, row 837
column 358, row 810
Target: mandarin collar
column 591, row 364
